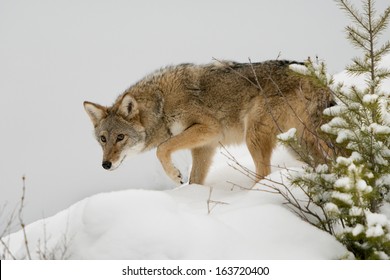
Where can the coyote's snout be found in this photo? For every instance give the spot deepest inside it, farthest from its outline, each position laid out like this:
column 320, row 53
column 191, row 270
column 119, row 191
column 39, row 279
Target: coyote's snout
column 199, row 107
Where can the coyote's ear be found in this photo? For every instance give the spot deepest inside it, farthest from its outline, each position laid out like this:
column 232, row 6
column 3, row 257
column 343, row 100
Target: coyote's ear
column 129, row 106
column 95, row 112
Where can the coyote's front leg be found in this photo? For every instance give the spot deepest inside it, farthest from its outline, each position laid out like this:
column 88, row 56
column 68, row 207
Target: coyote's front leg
column 195, row 136
column 164, row 155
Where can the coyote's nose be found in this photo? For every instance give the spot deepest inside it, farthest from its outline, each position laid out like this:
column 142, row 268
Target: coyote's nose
column 107, row 164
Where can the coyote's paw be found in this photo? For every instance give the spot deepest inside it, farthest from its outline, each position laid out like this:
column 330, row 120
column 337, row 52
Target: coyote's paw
column 176, row 176
column 165, row 159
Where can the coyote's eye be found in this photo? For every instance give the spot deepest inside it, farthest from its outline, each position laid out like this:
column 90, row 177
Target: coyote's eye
column 120, row 137
column 103, row 139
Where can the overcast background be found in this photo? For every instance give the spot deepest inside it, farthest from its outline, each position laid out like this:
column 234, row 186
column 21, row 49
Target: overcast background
column 54, row 54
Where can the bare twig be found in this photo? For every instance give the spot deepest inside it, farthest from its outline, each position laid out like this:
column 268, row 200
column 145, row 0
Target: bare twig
column 7, row 250
column 211, row 204
column 5, row 232
column 20, row 217
column 59, row 251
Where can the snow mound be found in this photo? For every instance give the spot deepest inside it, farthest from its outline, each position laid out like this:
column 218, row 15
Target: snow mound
column 218, row 221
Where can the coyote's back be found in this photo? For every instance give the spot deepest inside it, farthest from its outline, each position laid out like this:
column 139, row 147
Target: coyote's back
column 199, row 107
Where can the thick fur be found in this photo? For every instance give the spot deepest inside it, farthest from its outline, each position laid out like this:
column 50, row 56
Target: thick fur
column 199, row 107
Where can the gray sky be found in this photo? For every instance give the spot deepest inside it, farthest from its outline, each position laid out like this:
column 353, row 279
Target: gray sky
column 56, row 54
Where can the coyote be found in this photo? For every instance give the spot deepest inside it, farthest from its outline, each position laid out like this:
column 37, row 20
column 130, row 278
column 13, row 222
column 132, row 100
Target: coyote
column 200, row 107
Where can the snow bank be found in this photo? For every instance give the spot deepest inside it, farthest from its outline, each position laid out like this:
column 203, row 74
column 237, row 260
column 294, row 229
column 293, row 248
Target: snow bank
column 181, row 224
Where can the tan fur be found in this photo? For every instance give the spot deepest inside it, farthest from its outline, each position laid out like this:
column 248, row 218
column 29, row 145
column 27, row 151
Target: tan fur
column 199, row 107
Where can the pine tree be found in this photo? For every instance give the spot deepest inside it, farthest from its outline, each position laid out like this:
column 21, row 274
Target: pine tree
column 350, row 189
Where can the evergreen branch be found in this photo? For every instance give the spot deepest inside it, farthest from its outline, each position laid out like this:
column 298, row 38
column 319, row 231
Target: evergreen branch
column 353, row 13
column 382, row 23
column 383, row 74
column 369, row 12
column 358, row 67
column 357, row 38
column 384, row 49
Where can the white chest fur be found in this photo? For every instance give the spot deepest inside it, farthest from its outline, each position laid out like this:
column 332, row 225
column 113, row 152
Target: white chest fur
column 176, row 128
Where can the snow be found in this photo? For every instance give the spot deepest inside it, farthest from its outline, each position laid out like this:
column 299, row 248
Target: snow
column 376, row 219
column 382, row 255
column 338, row 122
column 338, row 126
column 288, row 135
column 358, row 229
column 385, row 115
column 182, row 224
column 322, row 168
column 301, row 69
column 355, row 211
column 376, row 223
column 343, row 161
column 343, row 183
column 356, row 157
column 331, row 208
column 380, row 160
column 383, row 180
column 335, row 110
column 370, row 98
column 344, row 135
column 362, row 186
column 343, row 197
column 375, row 231
column 379, row 129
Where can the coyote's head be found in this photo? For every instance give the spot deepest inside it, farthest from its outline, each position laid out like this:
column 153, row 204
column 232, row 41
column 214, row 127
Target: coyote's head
column 118, row 130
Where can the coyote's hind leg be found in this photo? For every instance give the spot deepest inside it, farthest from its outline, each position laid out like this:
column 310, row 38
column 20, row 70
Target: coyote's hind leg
column 260, row 142
column 201, row 161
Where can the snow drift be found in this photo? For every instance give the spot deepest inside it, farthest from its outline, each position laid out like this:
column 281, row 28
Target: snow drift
column 188, row 222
